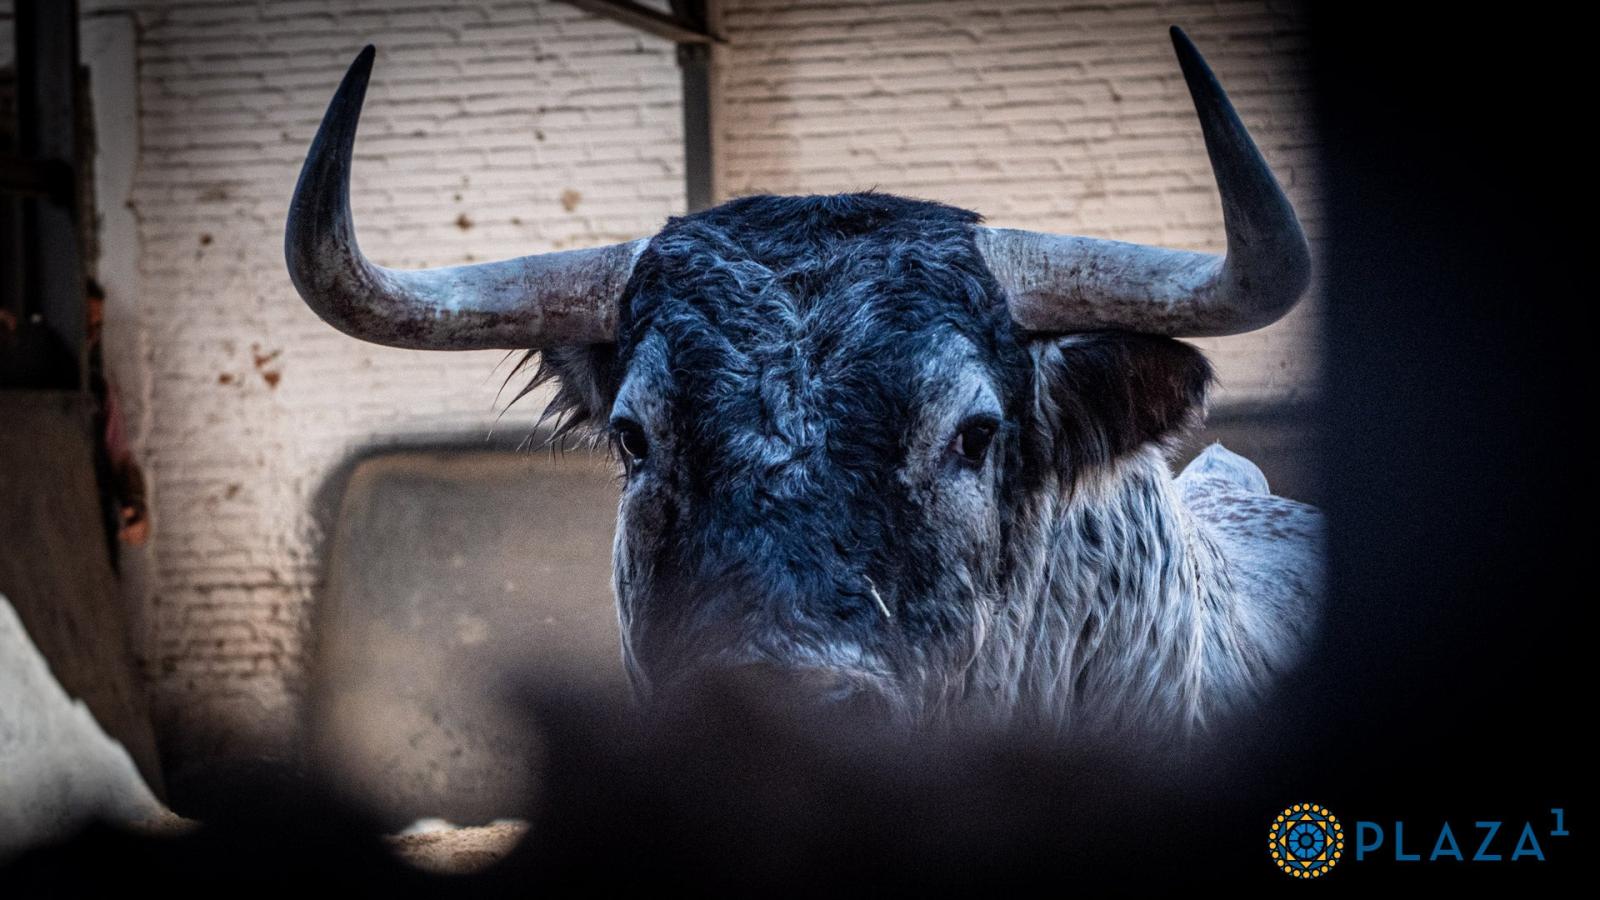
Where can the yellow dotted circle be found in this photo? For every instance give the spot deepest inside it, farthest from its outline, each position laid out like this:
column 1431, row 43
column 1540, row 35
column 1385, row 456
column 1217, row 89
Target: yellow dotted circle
column 1306, row 840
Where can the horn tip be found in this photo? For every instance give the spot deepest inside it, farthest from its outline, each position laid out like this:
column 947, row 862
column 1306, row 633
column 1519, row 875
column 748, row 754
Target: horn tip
column 1188, row 53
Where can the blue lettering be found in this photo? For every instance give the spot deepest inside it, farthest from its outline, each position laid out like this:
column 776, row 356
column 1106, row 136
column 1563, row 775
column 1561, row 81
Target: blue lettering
column 1481, row 856
column 1400, row 854
column 1445, row 834
column 1527, row 838
column 1361, row 838
column 1561, row 823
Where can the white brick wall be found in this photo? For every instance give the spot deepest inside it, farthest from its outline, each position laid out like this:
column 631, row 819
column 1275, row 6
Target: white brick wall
column 499, row 115
column 484, row 123
column 1058, row 116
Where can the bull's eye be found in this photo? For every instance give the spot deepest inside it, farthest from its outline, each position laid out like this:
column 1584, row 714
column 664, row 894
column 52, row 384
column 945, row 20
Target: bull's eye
column 630, row 438
column 972, row 440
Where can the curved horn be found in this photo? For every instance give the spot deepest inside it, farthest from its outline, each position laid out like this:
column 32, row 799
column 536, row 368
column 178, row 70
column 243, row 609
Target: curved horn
column 550, row 298
column 1059, row 283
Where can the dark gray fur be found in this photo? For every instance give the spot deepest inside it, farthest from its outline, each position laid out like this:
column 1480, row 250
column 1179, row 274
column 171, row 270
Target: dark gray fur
column 800, row 365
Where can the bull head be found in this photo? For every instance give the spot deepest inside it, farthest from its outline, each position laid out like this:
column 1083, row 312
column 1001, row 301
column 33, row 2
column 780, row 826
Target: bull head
column 852, row 425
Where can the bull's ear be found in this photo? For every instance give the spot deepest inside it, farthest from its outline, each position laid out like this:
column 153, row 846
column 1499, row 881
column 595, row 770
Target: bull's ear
column 1105, row 394
column 585, row 377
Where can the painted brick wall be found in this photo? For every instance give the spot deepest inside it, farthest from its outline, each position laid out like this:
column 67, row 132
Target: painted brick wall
column 499, row 128
column 1058, row 116
column 490, row 130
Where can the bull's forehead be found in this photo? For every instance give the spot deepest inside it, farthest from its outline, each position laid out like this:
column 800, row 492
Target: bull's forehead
column 763, row 271
column 808, row 332
column 809, row 389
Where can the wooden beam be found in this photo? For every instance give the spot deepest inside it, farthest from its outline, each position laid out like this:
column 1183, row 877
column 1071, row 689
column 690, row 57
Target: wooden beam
column 51, row 179
column 646, row 19
column 687, row 26
column 694, row 64
column 46, row 33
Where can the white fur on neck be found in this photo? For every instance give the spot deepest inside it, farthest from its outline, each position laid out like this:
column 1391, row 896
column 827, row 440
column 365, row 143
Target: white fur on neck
column 1148, row 607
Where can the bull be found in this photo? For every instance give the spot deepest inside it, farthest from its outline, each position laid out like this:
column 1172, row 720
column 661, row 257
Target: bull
column 877, row 450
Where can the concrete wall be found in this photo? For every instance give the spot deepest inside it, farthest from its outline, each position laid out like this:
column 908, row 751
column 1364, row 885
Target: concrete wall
column 500, row 128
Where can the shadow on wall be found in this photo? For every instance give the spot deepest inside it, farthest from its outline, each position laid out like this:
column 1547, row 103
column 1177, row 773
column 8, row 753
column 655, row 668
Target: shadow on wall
column 447, row 567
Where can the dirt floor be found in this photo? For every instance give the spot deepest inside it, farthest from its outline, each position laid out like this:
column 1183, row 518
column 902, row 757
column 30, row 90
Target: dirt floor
column 432, row 845
column 448, row 849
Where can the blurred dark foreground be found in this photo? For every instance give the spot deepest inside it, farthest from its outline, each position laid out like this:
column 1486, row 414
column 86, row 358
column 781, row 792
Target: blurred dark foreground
column 734, row 789
column 722, row 791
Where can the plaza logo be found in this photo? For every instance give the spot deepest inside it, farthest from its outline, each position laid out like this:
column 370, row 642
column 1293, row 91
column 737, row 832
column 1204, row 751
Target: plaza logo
column 1306, row 841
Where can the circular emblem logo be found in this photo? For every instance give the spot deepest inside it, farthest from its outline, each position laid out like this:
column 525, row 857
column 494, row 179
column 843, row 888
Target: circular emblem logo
column 1306, row 840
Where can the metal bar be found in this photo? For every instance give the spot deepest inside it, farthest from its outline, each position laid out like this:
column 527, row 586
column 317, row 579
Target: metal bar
column 686, row 25
column 695, row 62
column 646, row 19
column 34, row 178
column 11, row 286
column 47, row 131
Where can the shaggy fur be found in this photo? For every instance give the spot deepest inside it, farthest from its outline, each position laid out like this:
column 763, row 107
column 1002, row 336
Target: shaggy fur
column 799, row 367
